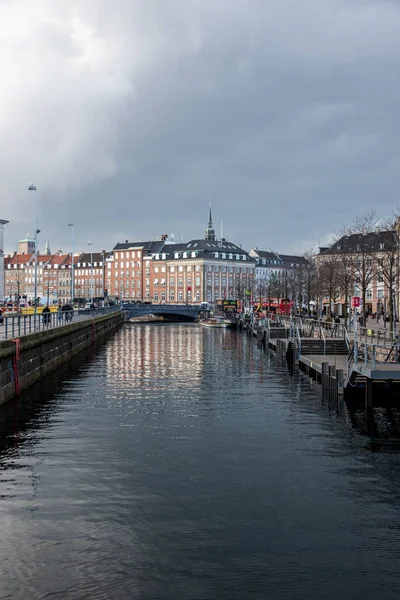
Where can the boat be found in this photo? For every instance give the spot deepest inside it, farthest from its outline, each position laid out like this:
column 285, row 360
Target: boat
column 214, row 322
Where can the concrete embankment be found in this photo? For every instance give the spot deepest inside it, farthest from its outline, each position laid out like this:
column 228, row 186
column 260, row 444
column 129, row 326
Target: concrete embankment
column 29, row 358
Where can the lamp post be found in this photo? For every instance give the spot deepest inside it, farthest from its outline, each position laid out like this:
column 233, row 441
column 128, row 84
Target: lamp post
column 33, row 188
column 91, row 271
column 72, row 264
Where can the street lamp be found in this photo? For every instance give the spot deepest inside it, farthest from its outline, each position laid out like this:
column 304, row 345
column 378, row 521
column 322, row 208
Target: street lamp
column 72, row 265
column 91, row 271
column 32, row 188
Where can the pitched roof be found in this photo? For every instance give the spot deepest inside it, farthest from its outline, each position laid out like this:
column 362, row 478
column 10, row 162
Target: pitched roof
column 356, row 242
column 18, row 259
column 295, row 260
column 86, row 257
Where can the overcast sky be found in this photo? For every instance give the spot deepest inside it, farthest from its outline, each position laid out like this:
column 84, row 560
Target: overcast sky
column 129, row 115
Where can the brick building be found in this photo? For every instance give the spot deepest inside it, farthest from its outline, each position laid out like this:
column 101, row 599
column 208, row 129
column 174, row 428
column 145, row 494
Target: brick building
column 89, row 275
column 162, row 271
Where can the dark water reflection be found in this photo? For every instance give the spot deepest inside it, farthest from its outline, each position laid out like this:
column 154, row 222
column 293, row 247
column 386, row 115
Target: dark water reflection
column 183, row 463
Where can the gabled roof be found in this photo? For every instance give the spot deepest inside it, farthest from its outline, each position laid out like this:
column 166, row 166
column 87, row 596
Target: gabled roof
column 356, row 242
column 18, row 259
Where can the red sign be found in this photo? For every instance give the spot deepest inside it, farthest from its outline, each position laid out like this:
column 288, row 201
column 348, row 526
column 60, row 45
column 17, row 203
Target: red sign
column 189, row 288
column 356, row 302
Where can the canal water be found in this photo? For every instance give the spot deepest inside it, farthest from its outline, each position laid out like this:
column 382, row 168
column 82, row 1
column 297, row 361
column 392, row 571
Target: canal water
column 177, row 462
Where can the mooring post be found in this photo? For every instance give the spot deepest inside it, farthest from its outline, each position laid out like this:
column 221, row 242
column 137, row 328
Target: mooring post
column 340, row 381
column 324, row 368
column 368, row 393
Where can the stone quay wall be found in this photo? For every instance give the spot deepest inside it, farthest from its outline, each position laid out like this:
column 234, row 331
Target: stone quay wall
column 27, row 359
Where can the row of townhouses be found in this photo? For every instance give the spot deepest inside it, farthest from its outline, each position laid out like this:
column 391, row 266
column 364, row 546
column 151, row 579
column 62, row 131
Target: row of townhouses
column 160, row 271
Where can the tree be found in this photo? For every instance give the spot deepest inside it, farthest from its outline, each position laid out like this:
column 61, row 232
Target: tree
column 310, row 280
column 329, row 280
column 388, row 263
column 364, row 264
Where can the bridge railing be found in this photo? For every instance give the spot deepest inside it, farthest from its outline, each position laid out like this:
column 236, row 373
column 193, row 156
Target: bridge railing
column 17, row 325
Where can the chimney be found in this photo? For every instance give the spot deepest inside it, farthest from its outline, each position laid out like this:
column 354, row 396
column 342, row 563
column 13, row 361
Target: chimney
column 164, row 237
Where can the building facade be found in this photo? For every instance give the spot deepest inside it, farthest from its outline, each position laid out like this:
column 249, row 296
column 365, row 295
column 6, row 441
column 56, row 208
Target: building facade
column 164, row 272
column 371, row 262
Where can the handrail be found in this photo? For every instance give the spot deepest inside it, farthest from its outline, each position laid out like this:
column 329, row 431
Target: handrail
column 347, row 338
column 298, row 336
column 323, row 337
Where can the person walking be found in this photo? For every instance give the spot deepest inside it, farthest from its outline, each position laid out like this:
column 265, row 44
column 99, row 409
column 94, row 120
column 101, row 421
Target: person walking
column 46, row 315
column 59, row 314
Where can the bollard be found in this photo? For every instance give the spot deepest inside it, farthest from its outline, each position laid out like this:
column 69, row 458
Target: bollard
column 340, row 381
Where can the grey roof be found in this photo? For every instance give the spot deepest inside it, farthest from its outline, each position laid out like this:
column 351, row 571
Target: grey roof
column 205, row 249
column 356, row 242
column 295, row 260
column 95, row 256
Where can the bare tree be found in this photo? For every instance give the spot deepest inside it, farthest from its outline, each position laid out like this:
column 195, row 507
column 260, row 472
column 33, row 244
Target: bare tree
column 329, row 280
column 364, row 264
column 310, row 279
column 388, row 262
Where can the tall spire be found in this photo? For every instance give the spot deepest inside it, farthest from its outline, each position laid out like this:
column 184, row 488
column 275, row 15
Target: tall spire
column 48, row 252
column 210, row 233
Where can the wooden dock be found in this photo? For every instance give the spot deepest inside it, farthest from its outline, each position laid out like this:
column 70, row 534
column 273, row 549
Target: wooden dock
column 331, row 361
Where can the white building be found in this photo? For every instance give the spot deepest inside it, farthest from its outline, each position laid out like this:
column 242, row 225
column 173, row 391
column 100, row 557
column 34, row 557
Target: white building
column 2, row 223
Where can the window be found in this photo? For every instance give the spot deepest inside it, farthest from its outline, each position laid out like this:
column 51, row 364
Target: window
column 197, row 267
column 185, row 255
column 198, row 296
column 380, row 293
column 180, row 269
column 172, row 280
column 180, row 296
column 163, row 281
column 380, row 277
column 138, row 264
column 116, row 255
column 209, row 281
column 180, row 281
column 155, row 296
column 155, row 269
column 197, row 280
column 162, row 296
column 156, row 282
column 132, row 255
column 369, row 294
column 172, row 269
column 172, row 296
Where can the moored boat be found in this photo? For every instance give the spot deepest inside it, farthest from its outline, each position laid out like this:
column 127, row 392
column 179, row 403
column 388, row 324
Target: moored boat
column 215, row 322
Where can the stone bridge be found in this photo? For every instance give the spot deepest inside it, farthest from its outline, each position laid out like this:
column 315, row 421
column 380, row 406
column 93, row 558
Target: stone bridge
column 177, row 311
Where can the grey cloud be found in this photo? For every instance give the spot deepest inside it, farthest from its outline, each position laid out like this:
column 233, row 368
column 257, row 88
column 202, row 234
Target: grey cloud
column 129, row 115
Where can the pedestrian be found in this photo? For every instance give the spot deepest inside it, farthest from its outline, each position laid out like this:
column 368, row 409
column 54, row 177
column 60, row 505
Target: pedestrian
column 336, row 326
column 59, row 314
column 46, row 315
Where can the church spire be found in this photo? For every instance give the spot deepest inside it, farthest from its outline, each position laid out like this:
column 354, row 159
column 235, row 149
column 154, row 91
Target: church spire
column 48, row 252
column 210, row 233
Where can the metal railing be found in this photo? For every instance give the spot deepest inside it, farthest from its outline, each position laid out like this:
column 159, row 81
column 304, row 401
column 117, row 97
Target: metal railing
column 17, row 325
column 373, row 354
column 298, row 340
column 347, row 339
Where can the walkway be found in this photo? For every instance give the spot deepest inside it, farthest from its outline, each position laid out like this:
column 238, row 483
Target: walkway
column 24, row 324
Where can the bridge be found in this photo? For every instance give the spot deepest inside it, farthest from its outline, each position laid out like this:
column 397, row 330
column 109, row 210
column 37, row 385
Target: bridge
column 173, row 311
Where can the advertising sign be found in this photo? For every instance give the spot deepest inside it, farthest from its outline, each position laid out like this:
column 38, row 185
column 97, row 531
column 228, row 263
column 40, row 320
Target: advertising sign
column 356, row 302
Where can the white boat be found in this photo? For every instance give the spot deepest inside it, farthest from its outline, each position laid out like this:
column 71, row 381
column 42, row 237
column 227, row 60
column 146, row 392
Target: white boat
column 215, row 322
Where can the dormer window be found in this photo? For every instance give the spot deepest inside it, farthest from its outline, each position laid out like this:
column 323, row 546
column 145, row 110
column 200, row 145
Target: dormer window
column 382, row 246
column 231, row 256
column 185, row 255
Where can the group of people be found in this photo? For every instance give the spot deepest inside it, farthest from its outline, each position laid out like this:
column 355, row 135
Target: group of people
column 65, row 313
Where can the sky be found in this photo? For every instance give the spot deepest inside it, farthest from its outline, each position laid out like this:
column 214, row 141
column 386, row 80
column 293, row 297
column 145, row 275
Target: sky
column 130, row 115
